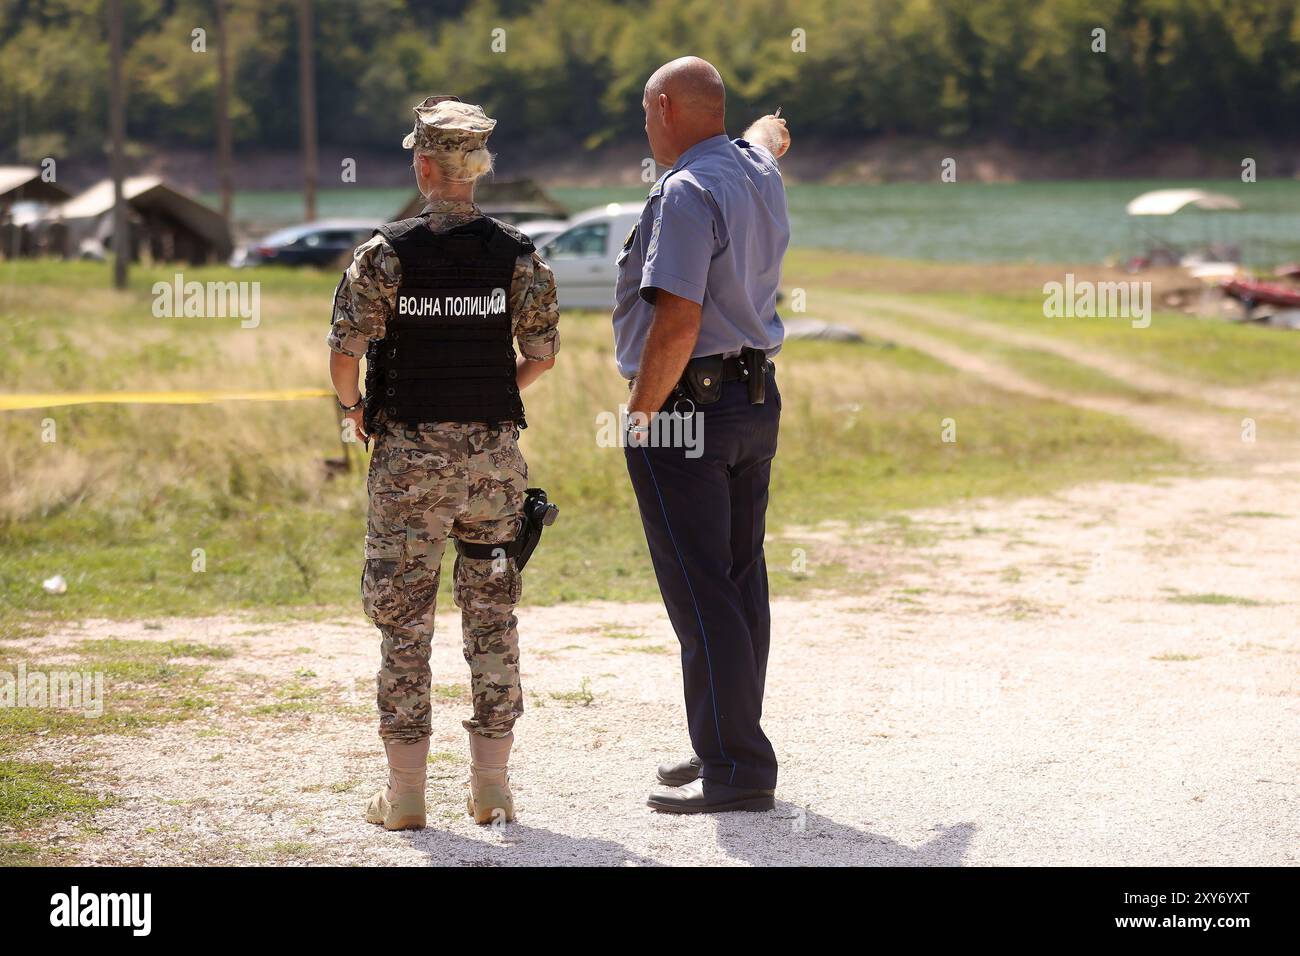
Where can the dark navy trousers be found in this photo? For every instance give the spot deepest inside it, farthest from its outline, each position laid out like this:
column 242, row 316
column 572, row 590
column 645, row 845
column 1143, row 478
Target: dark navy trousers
column 704, row 523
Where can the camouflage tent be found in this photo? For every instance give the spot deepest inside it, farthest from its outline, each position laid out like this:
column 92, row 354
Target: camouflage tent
column 167, row 225
column 19, row 233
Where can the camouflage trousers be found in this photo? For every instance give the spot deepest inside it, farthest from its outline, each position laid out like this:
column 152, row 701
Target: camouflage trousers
column 427, row 484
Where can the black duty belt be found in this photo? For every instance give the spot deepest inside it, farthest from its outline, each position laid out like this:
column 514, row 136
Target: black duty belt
column 703, row 378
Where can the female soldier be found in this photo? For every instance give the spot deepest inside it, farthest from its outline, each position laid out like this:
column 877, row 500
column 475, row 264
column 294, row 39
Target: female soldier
column 436, row 303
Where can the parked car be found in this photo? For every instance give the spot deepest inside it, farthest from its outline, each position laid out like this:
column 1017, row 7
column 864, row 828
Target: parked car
column 541, row 231
column 319, row 243
column 582, row 256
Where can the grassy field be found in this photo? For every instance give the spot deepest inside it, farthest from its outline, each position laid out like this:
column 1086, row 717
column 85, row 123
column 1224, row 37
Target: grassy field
column 1210, row 350
column 121, row 500
column 126, row 495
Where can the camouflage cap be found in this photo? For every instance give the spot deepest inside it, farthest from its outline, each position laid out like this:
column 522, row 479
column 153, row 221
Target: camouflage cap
column 444, row 122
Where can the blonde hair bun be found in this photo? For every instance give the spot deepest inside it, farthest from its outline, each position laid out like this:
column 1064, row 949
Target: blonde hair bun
column 477, row 162
column 459, row 166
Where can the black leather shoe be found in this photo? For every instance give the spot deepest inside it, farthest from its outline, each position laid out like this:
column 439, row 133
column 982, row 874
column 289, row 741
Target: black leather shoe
column 707, row 796
column 679, row 773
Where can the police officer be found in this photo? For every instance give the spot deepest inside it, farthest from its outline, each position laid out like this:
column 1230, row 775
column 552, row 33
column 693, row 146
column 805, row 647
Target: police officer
column 694, row 326
column 436, row 304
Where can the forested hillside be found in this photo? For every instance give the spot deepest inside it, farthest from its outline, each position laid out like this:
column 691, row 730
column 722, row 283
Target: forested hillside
column 1018, row 71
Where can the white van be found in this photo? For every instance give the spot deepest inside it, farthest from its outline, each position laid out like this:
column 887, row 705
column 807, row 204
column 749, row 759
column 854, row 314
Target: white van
column 582, row 256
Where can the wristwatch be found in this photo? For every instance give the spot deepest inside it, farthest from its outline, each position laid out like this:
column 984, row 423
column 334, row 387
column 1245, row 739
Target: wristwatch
column 350, row 408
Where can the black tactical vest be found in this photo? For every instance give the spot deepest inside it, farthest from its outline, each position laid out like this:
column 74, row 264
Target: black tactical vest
column 448, row 353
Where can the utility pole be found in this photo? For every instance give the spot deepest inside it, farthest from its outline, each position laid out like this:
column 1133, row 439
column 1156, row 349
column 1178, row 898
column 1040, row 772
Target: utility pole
column 223, row 115
column 117, row 132
column 307, row 105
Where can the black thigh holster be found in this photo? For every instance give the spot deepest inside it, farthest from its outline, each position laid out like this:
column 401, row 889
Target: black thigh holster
column 538, row 513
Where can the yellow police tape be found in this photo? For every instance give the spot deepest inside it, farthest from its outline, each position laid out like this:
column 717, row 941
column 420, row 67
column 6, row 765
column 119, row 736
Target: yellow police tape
column 11, row 403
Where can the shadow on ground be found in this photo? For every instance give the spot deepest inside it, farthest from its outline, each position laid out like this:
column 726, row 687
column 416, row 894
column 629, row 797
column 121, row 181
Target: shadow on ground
column 788, row 836
column 519, row 845
column 796, row 836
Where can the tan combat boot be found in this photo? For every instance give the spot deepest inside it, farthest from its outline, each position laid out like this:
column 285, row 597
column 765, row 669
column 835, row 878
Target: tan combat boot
column 400, row 805
column 489, row 786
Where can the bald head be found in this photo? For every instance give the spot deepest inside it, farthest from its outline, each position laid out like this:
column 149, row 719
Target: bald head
column 691, row 82
column 685, row 102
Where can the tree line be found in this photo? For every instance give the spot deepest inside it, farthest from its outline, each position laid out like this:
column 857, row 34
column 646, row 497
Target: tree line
column 569, row 73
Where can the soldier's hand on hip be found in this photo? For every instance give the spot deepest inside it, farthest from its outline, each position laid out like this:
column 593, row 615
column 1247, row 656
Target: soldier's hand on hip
column 357, row 418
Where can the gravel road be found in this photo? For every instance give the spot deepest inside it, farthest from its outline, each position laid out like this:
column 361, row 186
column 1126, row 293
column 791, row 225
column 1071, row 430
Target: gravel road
column 1038, row 682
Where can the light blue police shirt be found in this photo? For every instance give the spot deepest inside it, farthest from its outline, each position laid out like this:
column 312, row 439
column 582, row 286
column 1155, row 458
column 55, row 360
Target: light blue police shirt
column 714, row 230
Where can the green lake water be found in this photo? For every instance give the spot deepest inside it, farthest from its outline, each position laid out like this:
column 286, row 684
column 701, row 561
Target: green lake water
column 1045, row 222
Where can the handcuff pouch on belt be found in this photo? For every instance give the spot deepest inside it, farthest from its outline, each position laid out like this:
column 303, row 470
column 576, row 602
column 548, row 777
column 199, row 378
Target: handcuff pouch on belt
column 702, row 380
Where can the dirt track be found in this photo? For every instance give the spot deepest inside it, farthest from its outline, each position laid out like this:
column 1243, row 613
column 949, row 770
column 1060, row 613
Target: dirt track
column 1108, row 675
